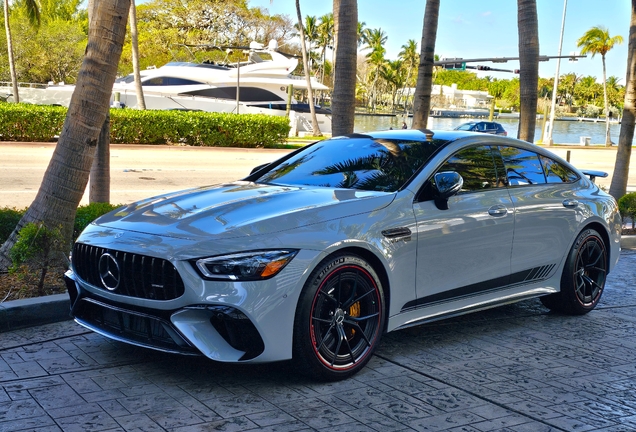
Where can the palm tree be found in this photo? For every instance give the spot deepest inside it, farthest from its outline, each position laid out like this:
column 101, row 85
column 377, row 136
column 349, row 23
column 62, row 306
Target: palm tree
column 422, row 96
column 566, row 87
column 618, row 186
column 310, row 31
column 597, row 40
column 141, row 103
column 374, row 38
column 33, row 13
column 310, row 93
column 346, row 26
column 378, row 63
column 394, row 76
column 410, row 57
column 66, row 177
column 325, row 40
column 361, row 29
column 528, row 27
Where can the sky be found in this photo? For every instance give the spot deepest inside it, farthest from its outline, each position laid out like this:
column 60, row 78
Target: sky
column 488, row 28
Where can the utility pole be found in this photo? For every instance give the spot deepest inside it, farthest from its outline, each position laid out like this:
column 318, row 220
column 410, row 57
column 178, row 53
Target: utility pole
column 556, row 78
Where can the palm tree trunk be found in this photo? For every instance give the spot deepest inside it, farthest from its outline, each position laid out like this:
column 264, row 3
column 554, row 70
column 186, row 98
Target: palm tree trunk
column 100, row 170
column 14, row 79
column 141, row 103
column 404, row 94
column 608, row 139
column 618, row 186
column 66, row 177
column 310, row 93
column 343, row 99
column 424, row 86
column 528, row 28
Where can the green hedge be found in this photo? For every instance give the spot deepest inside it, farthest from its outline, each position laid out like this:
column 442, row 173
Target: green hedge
column 23, row 122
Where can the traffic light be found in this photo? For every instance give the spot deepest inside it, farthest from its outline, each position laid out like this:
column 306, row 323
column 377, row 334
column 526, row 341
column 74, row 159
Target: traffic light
column 516, row 71
column 483, row 67
column 459, row 65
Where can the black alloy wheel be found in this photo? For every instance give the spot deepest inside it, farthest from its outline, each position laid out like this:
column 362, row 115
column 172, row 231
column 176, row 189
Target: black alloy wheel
column 583, row 278
column 340, row 318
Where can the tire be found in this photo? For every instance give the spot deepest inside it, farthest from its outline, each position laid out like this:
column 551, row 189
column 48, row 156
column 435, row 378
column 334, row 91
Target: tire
column 339, row 318
column 583, row 278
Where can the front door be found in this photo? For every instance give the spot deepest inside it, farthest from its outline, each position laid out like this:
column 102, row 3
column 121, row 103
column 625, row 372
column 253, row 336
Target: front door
column 465, row 250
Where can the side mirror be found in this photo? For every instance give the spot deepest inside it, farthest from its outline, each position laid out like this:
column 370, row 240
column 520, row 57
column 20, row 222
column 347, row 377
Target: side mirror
column 447, row 184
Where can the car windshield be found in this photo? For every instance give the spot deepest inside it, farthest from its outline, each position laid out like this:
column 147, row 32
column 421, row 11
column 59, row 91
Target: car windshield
column 465, row 126
column 363, row 163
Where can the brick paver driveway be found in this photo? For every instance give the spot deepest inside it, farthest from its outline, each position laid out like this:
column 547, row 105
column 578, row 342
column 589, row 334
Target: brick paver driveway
column 514, row 368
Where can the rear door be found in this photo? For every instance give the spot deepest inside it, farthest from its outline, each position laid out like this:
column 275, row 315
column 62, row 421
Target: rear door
column 546, row 210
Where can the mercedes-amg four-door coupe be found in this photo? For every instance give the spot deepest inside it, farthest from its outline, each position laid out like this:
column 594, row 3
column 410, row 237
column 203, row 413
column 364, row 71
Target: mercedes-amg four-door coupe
column 317, row 254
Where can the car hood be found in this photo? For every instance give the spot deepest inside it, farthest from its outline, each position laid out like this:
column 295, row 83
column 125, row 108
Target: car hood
column 241, row 209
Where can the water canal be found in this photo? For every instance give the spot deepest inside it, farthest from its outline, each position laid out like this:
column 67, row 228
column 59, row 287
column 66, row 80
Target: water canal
column 565, row 132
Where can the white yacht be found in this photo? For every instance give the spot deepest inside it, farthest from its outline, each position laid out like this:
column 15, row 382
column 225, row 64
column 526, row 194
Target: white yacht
column 258, row 86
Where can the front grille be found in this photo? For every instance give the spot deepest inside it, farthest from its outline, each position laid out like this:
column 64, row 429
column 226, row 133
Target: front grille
column 134, row 275
column 130, row 326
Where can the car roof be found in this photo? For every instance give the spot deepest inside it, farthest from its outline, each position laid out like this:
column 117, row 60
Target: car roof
column 412, row 134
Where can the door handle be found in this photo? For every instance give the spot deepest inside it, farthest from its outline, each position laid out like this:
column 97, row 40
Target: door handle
column 498, row 211
column 570, row 203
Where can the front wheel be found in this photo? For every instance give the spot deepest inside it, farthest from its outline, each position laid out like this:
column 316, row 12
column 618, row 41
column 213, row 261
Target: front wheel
column 583, row 278
column 339, row 319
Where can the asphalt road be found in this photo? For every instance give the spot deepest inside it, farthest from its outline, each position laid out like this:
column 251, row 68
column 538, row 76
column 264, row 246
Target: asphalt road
column 137, row 171
column 141, row 171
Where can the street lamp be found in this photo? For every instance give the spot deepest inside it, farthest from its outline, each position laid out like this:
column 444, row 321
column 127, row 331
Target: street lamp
column 556, row 77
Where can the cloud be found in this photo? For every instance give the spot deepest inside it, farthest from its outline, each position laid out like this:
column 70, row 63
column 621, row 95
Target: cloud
column 459, row 19
column 485, row 14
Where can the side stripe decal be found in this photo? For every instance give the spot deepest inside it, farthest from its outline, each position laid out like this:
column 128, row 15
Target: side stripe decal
column 500, row 283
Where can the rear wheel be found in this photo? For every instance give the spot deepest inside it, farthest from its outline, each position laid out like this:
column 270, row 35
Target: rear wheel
column 583, row 278
column 340, row 318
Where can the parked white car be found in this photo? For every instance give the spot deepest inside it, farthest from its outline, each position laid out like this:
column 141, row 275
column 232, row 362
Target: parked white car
column 316, row 255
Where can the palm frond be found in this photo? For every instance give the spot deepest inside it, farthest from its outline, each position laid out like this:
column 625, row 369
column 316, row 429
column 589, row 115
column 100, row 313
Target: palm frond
column 33, row 12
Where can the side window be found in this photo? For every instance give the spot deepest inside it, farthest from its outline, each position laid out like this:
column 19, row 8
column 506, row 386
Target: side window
column 523, row 167
column 157, row 81
column 556, row 172
column 476, row 166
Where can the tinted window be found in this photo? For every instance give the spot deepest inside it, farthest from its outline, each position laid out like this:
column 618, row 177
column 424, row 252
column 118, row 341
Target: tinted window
column 522, row 167
column 246, row 94
column 477, row 168
column 354, row 163
column 169, row 81
column 126, row 79
column 556, row 172
column 466, row 127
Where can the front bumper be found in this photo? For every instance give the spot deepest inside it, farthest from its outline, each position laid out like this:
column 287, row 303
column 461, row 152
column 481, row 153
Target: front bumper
column 209, row 330
column 239, row 323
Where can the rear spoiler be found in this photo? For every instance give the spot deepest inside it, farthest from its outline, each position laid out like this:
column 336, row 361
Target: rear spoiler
column 593, row 174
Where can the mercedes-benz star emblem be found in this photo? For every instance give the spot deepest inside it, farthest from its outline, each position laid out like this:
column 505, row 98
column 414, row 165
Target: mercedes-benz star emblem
column 109, row 272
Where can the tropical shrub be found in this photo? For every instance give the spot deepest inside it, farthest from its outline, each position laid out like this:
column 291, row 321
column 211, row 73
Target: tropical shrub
column 23, row 122
column 38, row 249
column 88, row 213
column 627, row 206
column 9, row 218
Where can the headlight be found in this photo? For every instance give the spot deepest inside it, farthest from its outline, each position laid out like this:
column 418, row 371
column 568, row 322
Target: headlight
column 245, row 266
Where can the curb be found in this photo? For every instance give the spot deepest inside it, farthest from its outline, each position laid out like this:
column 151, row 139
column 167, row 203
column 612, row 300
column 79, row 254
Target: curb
column 18, row 314
column 628, row 242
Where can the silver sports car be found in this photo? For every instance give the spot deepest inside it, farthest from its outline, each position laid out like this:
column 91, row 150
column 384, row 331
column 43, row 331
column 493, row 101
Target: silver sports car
column 316, row 255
